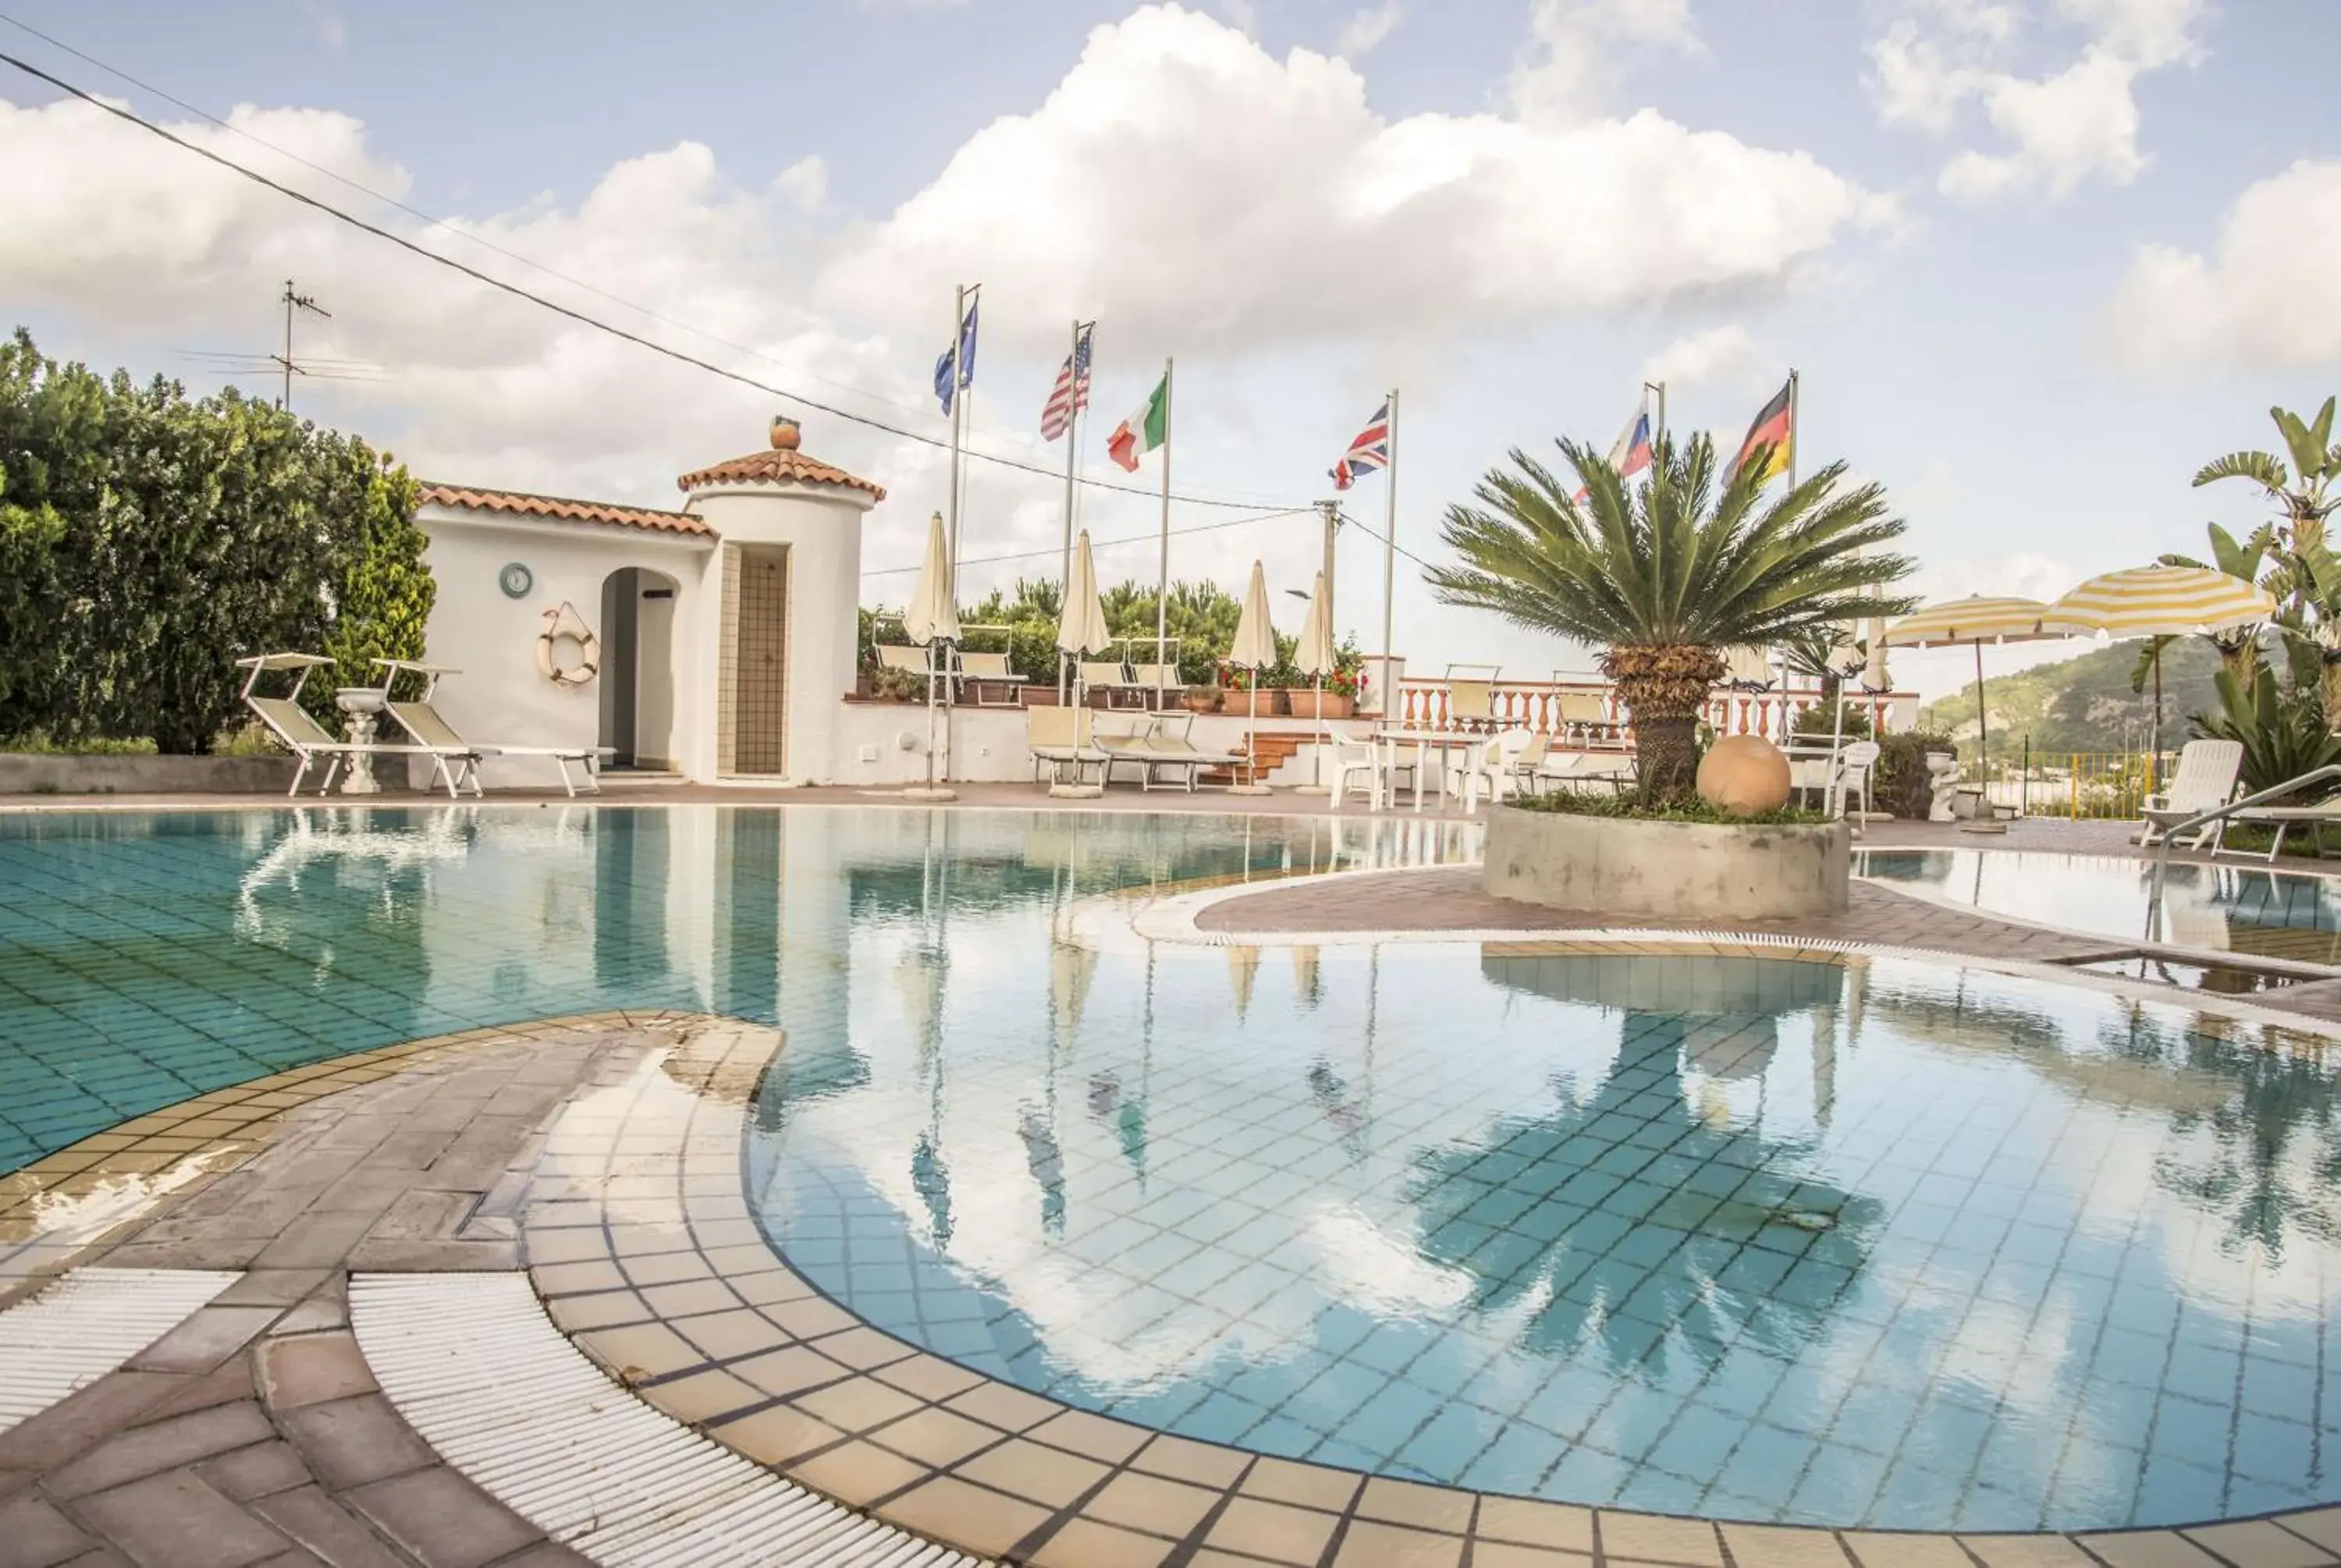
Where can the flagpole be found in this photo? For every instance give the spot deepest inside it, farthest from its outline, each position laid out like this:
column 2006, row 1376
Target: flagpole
column 1390, row 561
column 1793, row 430
column 1162, row 572
column 958, row 409
column 1072, row 448
column 1659, row 388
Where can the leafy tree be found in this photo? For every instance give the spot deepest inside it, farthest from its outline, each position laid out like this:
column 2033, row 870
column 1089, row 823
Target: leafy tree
column 2304, row 491
column 154, row 538
column 1662, row 577
column 2239, row 646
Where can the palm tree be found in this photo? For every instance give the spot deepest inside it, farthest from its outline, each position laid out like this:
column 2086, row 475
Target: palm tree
column 2302, row 489
column 1662, row 577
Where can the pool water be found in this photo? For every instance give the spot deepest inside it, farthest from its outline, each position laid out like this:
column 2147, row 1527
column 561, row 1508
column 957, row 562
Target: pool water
column 145, row 957
column 1885, row 1243
column 1890, row 1244
column 2238, row 909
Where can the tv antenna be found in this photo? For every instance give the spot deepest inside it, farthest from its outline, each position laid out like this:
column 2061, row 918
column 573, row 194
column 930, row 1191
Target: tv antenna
column 295, row 303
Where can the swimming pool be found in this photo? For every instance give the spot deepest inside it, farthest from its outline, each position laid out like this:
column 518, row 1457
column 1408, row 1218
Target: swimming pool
column 1890, row 1244
column 1881, row 1242
column 2238, row 909
column 145, row 957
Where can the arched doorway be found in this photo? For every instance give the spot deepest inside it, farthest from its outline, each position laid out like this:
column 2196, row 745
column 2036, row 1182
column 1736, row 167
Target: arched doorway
column 638, row 669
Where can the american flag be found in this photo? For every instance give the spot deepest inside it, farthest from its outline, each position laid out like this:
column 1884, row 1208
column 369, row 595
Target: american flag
column 1072, row 392
column 1368, row 451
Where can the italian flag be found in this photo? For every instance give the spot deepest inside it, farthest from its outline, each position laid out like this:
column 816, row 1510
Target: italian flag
column 1144, row 430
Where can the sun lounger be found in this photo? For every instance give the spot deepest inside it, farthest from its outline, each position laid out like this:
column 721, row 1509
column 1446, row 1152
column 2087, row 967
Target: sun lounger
column 1124, row 749
column 2284, row 818
column 1060, row 736
column 981, row 670
column 1109, row 676
column 297, row 729
column 454, row 761
column 1171, row 745
column 1156, row 679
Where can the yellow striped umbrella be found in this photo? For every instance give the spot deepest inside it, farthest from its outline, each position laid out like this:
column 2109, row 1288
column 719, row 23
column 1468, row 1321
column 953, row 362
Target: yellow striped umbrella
column 1975, row 620
column 2161, row 601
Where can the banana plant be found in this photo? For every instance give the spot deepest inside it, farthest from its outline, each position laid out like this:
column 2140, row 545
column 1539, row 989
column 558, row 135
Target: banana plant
column 2239, row 646
column 2304, row 491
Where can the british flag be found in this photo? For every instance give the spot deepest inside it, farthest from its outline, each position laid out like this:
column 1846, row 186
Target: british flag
column 1072, row 392
column 1368, row 452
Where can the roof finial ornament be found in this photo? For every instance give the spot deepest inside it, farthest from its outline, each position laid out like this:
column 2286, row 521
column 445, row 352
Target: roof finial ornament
column 785, row 433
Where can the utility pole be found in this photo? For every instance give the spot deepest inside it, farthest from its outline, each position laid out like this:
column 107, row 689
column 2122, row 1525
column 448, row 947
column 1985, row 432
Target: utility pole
column 294, row 302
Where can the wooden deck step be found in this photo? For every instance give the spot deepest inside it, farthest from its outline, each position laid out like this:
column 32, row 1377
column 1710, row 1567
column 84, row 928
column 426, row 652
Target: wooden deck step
column 1273, row 750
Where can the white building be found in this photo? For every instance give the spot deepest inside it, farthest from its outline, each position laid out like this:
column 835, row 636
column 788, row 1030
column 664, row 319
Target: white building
column 716, row 643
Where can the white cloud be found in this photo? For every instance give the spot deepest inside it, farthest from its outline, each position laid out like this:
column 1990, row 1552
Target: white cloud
column 2264, row 298
column 1365, row 30
column 1143, row 190
column 2058, row 129
column 1560, row 75
column 129, row 236
column 804, row 182
column 1723, row 355
column 2080, row 122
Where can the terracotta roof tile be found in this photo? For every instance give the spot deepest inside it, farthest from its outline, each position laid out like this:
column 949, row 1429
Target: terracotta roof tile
column 520, row 503
column 783, row 461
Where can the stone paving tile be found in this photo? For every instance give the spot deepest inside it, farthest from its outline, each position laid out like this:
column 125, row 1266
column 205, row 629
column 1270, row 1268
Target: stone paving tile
column 253, row 1431
column 442, row 1519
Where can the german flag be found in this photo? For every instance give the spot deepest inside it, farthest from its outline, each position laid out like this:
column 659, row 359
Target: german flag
column 1775, row 426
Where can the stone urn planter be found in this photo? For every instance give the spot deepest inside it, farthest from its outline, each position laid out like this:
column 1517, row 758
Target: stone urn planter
column 1625, row 871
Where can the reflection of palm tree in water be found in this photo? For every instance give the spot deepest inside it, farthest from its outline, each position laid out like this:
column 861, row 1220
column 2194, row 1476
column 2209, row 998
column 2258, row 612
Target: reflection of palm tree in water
column 2244, row 1176
column 1047, row 1163
column 1596, row 1275
column 1332, row 1097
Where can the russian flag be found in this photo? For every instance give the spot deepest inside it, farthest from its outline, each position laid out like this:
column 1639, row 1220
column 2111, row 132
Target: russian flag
column 1632, row 452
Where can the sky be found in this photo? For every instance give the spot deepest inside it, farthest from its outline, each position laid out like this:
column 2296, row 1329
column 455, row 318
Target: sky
column 2034, row 260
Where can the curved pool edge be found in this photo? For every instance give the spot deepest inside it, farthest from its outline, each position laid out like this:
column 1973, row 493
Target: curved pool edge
column 757, row 1355
column 1124, row 923
column 637, row 1236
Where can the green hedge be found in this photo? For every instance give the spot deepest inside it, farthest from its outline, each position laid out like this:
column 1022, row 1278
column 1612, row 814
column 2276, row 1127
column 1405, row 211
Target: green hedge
column 148, row 540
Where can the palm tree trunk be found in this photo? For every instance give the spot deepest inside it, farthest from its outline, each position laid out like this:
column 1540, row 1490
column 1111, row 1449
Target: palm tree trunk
column 2329, row 685
column 1663, row 686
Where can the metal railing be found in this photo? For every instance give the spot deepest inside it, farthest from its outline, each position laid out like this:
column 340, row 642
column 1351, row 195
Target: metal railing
column 2220, row 814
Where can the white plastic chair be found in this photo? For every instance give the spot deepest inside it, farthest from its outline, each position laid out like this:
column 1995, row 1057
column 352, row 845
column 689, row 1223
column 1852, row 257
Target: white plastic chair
column 1356, row 756
column 1492, row 760
column 2206, row 778
column 1528, row 764
column 1855, row 766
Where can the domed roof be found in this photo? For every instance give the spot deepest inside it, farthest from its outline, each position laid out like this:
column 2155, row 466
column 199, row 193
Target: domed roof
column 783, row 461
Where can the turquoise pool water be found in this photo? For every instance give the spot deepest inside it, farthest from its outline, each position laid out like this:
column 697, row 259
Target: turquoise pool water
column 148, row 956
column 1896, row 1245
column 2239, row 909
column 1892, row 1244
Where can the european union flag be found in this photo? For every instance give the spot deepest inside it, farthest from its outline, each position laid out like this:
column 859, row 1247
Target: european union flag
column 944, row 390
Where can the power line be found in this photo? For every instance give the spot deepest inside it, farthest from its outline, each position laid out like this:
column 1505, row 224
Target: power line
column 1375, row 534
column 1102, row 543
column 403, row 243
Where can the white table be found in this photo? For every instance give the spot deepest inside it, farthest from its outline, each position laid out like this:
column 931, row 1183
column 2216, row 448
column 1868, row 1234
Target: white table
column 1441, row 741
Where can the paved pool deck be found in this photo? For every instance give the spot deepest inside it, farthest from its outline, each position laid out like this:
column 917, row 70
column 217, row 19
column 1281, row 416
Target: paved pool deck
column 597, row 1157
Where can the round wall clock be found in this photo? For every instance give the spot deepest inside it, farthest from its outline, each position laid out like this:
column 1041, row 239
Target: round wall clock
column 515, row 581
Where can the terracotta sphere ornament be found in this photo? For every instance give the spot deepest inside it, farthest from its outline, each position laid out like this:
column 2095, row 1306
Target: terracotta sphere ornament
column 1744, row 776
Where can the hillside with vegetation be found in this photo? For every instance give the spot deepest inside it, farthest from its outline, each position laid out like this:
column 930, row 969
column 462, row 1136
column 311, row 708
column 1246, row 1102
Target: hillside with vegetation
column 2084, row 704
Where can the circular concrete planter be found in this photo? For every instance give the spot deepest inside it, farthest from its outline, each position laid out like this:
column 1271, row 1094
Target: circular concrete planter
column 1623, row 869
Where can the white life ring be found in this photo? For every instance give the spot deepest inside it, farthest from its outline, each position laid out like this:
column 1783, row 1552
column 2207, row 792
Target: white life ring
column 565, row 623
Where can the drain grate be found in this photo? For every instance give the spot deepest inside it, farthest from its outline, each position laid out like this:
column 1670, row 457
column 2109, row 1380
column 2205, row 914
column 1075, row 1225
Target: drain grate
column 88, row 1323
column 475, row 1365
